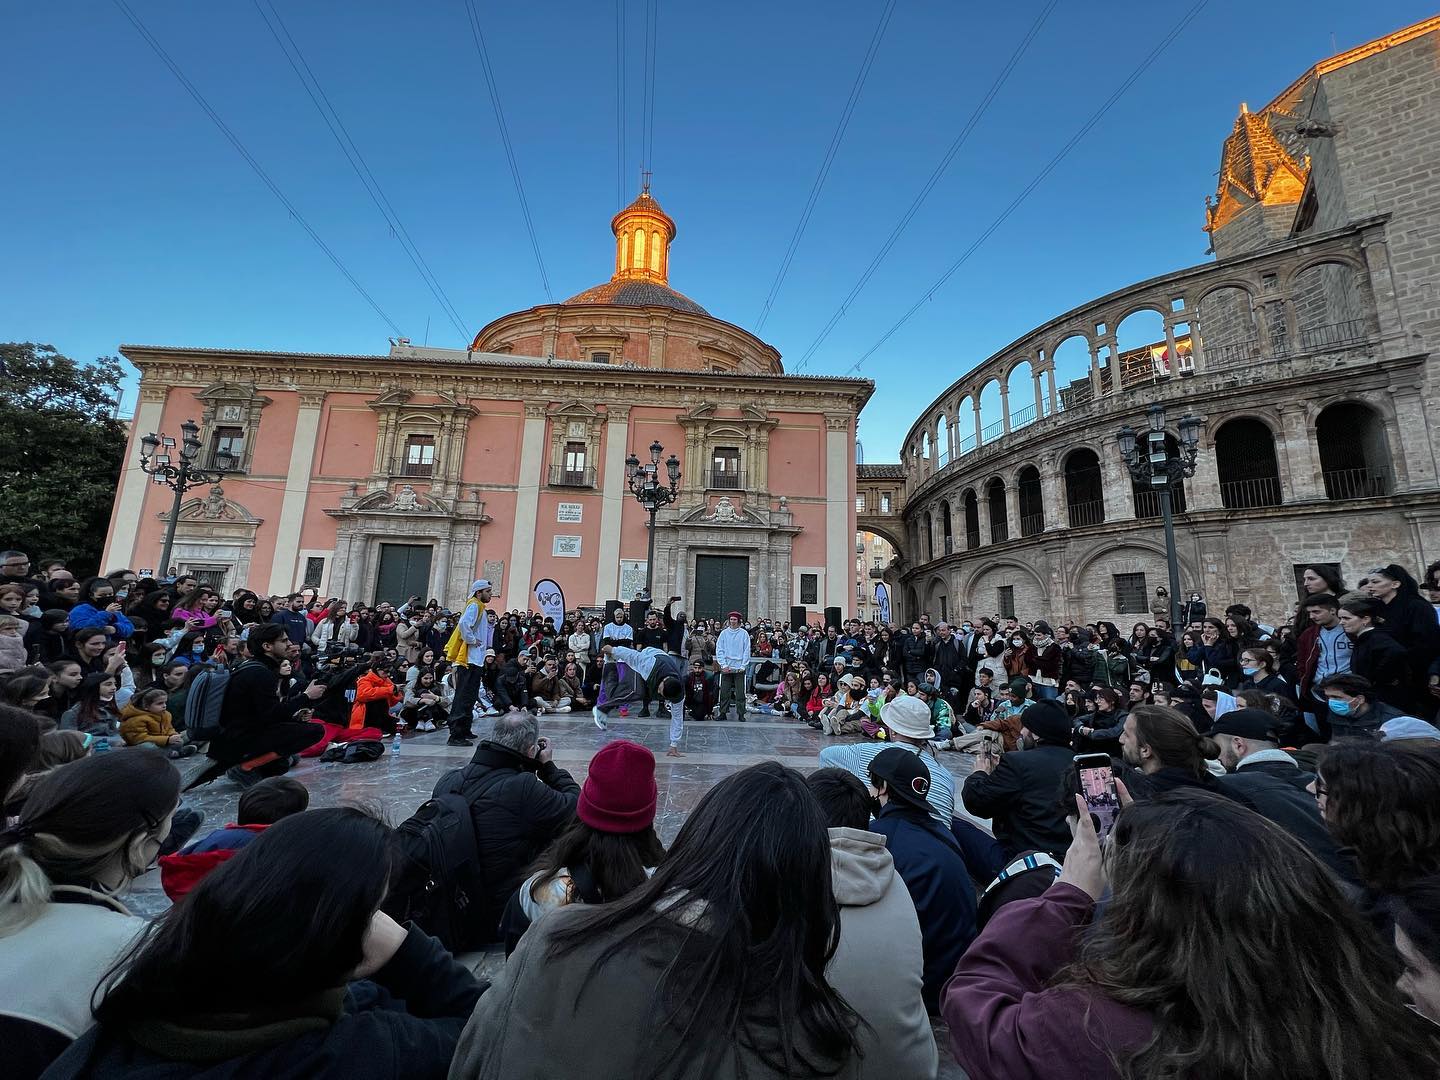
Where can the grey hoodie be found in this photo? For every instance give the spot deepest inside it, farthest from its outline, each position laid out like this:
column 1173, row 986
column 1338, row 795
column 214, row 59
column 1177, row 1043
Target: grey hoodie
column 879, row 963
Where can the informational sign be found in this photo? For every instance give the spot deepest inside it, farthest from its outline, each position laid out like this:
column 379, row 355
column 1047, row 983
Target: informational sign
column 148, row 571
column 551, row 600
column 882, row 600
column 570, row 513
column 566, row 547
column 632, row 578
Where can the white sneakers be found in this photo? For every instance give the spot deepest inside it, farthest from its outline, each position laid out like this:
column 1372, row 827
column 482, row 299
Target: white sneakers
column 561, row 708
column 425, row 726
column 599, row 718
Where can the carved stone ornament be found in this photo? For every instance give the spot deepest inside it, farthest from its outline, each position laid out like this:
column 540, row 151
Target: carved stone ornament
column 724, row 512
column 406, row 500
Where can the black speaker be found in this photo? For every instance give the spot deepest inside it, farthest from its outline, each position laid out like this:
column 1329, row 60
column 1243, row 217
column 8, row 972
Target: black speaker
column 610, row 606
column 797, row 617
column 638, row 610
column 833, row 618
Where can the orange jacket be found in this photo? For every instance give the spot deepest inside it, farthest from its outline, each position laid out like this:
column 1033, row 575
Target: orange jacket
column 372, row 686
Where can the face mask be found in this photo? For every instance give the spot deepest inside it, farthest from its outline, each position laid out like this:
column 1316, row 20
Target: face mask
column 967, row 628
column 1250, row 670
column 1017, row 642
column 1340, row 708
column 198, row 649
column 158, row 661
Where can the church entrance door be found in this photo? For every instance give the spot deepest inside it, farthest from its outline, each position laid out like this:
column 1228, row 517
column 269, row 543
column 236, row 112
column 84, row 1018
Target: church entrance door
column 722, row 585
column 404, row 572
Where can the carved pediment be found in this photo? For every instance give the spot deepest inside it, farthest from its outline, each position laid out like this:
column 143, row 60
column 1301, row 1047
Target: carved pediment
column 233, row 392
column 213, row 507
column 403, row 500
column 724, row 512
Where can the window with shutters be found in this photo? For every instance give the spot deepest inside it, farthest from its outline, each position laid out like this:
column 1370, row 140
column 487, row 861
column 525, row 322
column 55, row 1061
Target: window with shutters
column 420, row 455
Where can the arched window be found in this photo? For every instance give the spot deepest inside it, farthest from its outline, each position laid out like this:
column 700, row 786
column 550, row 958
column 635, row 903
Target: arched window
column 999, row 523
column 942, row 440
column 925, row 445
column 945, row 526
column 1147, row 495
column 1245, row 460
column 655, row 245
column 1084, row 489
column 638, row 255
column 1354, row 459
column 972, row 520
column 1032, row 504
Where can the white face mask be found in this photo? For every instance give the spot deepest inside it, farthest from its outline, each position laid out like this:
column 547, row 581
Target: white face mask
column 1017, row 642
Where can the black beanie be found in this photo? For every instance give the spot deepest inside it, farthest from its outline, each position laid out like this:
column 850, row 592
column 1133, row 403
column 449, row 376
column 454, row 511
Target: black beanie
column 1048, row 721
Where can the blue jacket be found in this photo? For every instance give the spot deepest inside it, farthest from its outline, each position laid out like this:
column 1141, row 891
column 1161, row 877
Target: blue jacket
column 928, row 860
column 83, row 615
column 297, row 625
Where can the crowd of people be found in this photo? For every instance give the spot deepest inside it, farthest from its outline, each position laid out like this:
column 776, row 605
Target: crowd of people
column 1251, row 888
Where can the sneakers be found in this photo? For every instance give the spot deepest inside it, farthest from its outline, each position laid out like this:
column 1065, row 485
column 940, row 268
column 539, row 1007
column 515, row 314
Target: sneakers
column 245, row 779
column 424, row 727
column 492, row 711
column 562, row 708
column 184, row 750
column 599, row 718
column 456, row 740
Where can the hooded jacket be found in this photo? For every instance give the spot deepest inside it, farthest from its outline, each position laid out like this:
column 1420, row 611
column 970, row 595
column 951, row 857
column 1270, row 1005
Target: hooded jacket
column 374, row 694
column 137, row 726
column 877, row 966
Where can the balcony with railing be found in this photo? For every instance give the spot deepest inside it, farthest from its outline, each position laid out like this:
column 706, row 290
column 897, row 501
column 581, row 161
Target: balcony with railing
column 417, row 469
column 560, row 476
column 1032, row 524
column 1081, row 514
column 999, row 532
column 1297, row 307
column 1250, row 494
column 1356, row 483
column 724, row 480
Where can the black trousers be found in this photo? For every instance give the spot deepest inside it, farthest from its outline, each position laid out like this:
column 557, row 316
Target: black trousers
column 283, row 739
column 462, row 708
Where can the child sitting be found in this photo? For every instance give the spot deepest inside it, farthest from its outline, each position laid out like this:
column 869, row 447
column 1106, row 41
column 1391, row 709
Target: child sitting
column 267, row 802
column 145, row 721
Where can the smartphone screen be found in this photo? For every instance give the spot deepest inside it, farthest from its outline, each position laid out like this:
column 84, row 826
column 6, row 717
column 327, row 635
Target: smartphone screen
column 1097, row 788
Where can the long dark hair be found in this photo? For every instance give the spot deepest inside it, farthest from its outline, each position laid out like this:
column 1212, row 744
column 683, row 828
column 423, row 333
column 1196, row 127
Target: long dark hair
column 1382, row 800
column 1213, row 909
column 1173, row 738
column 87, row 696
column 280, row 922
column 746, row 887
column 616, row 861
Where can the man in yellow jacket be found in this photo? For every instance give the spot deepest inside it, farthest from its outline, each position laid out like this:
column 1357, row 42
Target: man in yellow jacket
column 472, row 636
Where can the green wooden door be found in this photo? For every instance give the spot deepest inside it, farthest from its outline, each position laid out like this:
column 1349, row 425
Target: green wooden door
column 722, row 585
column 404, row 572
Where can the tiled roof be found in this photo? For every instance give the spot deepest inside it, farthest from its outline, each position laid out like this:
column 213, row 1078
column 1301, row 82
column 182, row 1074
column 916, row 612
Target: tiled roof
column 637, row 294
column 880, row 472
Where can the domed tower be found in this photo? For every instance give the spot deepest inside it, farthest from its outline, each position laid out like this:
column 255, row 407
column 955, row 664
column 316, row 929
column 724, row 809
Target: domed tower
column 635, row 317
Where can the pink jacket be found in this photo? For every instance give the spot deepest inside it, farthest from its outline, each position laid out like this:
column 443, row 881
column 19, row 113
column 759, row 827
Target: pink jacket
column 1007, row 1023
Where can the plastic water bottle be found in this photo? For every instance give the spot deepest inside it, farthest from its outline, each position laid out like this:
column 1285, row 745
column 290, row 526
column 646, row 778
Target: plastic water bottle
column 102, row 744
column 395, row 742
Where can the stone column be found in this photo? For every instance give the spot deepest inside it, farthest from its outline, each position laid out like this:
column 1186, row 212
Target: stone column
column 1300, row 481
column 1171, row 355
column 975, row 405
column 130, row 495
column 1052, row 484
column 527, row 507
column 1115, row 481
column 1005, row 407
column 1417, row 448
column 839, row 511
column 355, row 567
column 1050, row 381
column 613, row 493
column 1095, row 369
column 1012, row 509
column 297, row 487
column 982, row 511
column 1202, row 491
column 1039, row 396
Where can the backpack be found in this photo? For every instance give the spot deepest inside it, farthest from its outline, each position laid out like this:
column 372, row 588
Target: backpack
column 204, row 703
column 435, row 879
column 354, row 753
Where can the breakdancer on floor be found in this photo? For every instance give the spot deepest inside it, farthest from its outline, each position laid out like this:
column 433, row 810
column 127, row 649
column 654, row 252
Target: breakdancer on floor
column 664, row 677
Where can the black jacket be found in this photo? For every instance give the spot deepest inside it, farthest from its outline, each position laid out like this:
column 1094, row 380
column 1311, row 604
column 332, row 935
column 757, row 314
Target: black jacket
column 404, row 1023
column 1377, row 656
column 915, row 655
column 1412, row 623
column 1293, row 809
column 1022, row 799
column 517, row 809
column 949, row 659
column 252, row 699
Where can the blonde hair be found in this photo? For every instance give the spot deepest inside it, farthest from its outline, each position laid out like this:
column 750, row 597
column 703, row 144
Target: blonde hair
column 10, row 622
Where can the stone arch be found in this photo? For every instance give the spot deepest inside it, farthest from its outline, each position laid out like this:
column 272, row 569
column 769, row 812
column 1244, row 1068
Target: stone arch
column 995, row 495
column 1226, row 317
column 965, row 425
column 1243, row 285
column 1030, row 499
column 1354, row 451
column 1084, row 487
column 943, row 442
column 1246, row 463
column 1107, row 557
column 1020, row 395
column 970, row 512
column 992, row 424
column 1032, row 593
column 1070, row 358
column 1327, row 300
column 1136, row 335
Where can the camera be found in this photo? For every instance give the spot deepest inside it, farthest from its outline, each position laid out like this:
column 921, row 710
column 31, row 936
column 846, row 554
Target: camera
column 336, row 651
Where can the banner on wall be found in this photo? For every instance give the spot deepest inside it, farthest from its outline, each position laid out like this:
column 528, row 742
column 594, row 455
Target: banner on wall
column 882, row 600
column 551, row 599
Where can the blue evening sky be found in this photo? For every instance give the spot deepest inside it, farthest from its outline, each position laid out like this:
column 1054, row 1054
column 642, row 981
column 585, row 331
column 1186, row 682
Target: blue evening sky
column 127, row 217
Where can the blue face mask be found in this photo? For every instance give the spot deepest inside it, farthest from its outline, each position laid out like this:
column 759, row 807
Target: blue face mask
column 198, row 649
column 1250, row 670
column 1340, row 708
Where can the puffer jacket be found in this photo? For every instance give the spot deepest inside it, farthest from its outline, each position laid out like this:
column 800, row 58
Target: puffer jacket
column 137, row 726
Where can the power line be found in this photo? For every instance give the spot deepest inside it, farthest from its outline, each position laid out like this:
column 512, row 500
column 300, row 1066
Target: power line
column 1074, row 140
column 479, row 35
column 619, row 103
column 975, row 116
column 652, row 33
column 358, row 163
column 239, row 146
column 830, row 152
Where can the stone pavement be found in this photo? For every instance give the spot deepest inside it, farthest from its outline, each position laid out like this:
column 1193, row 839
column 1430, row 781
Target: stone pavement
column 396, row 785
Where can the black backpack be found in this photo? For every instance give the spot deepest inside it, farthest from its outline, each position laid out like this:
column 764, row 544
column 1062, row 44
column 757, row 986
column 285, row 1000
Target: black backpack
column 205, row 701
column 435, row 880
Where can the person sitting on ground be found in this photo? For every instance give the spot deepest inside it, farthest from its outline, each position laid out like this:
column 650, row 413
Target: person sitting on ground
column 608, row 850
column 84, row 833
column 269, row 801
column 846, row 712
column 94, row 712
column 551, row 692
column 1416, row 908
column 1208, row 908
column 1355, row 710
column 520, row 802
column 1166, row 751
column 425, row 706
column 929, row 860
column 1269, row 781
column 145, row 721
column 1100, row 732
column 907, row 723
column 687, row 974
column 280, row 963
column 1017, row 792
column 878, row 964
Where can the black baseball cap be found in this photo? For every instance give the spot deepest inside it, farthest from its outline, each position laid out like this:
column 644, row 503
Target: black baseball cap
column 1246, row 724
column 906, row 776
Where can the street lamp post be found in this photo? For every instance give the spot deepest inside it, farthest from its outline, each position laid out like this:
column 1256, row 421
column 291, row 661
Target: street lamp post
column 1149, row 460
column 645, row 485
column 182, row 476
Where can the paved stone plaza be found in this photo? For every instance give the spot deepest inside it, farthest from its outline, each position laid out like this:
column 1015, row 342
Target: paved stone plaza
column 396, row 785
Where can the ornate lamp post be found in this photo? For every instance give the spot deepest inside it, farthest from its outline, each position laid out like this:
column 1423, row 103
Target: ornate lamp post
column 1149, row 460
column 181, row 476
column 645, row 485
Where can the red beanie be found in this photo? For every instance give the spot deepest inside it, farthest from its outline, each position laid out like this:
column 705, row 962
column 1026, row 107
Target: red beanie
column 619, row 793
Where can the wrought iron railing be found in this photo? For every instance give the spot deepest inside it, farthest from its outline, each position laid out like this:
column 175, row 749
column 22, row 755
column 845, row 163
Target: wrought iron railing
column 1086, row 513
column 1031, row 524
column 1247, row 494
column 999, row 532
column 418, row 468
column 1022, row 417
column 1330, row 335
column 560, row 476
column 991, row 432
column 723, row 479
column 1240, row 352
column 1356, row 483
